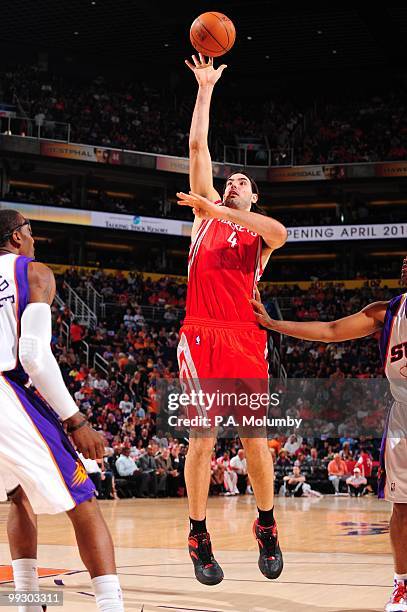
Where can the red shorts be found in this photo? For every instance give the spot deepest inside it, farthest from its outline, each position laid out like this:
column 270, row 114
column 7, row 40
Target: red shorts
column 225, row 357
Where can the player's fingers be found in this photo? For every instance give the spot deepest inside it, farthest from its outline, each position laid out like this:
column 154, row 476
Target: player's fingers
column 211, row 61
column 202, row 59
column 95, row 450
column 195, row 60
column 260, row 319
column 188, row 63
column 256, row 305
column 221, row 68
column 197, row 196
column 85, row 453
column 183, row 196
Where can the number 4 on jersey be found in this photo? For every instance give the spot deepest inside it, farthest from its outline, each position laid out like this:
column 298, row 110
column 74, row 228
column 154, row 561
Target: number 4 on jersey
column 232, row 239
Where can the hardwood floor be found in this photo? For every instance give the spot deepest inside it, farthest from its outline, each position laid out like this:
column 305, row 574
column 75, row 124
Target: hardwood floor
column 336, row 551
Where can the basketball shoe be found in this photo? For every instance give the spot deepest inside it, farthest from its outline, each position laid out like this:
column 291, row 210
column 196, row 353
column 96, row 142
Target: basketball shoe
column 207, row 569
column 398, row 599
column 270, row 558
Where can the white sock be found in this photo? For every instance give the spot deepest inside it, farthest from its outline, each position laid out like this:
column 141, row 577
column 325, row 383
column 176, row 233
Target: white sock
column 25, row 572
column 400, row 577
column 108, row 593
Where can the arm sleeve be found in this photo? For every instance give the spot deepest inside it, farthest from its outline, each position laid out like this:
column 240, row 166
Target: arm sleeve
column 38, row 361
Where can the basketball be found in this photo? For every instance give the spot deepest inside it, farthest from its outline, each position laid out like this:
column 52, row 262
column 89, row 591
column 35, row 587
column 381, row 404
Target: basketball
column 212, row 34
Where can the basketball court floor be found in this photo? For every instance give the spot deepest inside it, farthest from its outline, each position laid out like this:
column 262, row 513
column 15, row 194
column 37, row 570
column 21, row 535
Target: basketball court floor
column 337, row 557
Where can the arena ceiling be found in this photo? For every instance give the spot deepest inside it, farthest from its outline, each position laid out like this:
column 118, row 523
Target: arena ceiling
column 273, row 37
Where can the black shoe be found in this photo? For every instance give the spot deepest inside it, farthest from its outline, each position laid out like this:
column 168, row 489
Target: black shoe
column 270, row 558
column 207, row 569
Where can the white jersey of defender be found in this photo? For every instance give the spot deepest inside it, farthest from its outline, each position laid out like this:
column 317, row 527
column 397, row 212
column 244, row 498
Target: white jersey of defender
column 396, row 354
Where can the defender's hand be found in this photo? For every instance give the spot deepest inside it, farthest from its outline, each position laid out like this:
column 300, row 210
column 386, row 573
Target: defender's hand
column 261, row 313
column 204, row 71
column 202, row 207
column 87, row 440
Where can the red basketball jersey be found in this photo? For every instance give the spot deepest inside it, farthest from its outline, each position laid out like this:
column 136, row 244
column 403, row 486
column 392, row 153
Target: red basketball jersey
column 224, row 266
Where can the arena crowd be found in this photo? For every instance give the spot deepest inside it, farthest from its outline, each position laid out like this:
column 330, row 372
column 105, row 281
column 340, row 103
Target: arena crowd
column 121, row 400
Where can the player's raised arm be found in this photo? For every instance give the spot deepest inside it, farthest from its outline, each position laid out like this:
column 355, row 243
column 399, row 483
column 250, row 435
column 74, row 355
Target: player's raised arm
column 363, row 323
column 200, row 165
column 40, row 364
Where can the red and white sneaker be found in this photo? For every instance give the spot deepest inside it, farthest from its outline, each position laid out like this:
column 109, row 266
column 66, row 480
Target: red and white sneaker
column 398, row 599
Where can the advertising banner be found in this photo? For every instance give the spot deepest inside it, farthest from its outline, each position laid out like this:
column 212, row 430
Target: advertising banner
column 81, row 152
column 174, row 227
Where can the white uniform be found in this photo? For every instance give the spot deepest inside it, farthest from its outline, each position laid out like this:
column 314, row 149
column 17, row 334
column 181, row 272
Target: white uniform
column 34, row 450
column 393, row 346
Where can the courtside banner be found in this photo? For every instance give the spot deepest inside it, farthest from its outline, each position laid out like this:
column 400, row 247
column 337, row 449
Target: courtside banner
column 81, row 152
column 130, row 223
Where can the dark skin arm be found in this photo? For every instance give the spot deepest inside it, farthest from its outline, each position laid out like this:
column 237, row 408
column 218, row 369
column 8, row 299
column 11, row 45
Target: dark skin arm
column 41, row 281
column 363, row 323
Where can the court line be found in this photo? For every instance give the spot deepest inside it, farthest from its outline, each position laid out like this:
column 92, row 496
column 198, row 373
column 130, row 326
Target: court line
column 297, row 582
column 189, row 609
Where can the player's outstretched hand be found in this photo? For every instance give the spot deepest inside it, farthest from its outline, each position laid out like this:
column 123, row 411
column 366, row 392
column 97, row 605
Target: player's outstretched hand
column 404, row 273
column 261, row 313
column 204, row 71
column 202, row 207
column 88, row 441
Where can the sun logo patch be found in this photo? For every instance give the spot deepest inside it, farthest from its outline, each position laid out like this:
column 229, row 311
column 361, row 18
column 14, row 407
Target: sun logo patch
column 80, row 476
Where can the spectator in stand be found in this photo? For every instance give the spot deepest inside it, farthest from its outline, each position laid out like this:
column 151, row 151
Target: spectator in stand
column 229, row 476
column 126, row 406
column 129, row 470
column 77, row 334
column 337, row 471
column 356, row 483
column 293, row 444
column 217, row 486
column 238, row 464
column 365, row 463
column 154, row 477
column 346, row 454
column 293, row 482
column 178, row 465
column 283, row 460
column 169, row 481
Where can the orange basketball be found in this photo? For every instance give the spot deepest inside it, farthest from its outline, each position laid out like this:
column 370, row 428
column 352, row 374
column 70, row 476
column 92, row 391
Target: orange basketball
column 212, row 34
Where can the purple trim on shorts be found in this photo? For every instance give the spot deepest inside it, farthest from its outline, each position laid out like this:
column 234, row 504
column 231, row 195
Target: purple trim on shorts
column 61, row 449
column 384, row 339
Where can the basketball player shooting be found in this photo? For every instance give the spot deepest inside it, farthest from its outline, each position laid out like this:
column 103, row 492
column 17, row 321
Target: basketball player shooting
column 391, row 319
column 220, row 338
column 38, row 464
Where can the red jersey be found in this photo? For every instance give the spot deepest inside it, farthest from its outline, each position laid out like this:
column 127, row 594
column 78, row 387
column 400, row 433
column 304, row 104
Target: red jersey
column 224, row 266
column 365, row 464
